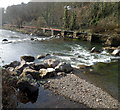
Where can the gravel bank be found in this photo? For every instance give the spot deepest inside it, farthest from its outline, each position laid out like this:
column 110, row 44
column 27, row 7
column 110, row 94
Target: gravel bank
column 81, row 91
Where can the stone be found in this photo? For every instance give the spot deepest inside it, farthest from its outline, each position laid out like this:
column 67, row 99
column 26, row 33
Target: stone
column 92, row 50
column 49, row 72
column 20, row 68
column 51, row 63
column 12, row 64
column 27, row 58
column 31, row 38
column 41, row 56
column 5, row 40
column 61, row 74
column 33, row 73
column 64, row 67
column 29, row 89
column 113, row 41
column 116, row 52
column 39, row 66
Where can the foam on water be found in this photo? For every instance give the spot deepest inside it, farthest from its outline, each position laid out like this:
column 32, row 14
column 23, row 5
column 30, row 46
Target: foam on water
column 81, row 56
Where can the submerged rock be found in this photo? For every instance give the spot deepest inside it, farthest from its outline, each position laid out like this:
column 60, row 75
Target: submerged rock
column 27, row 58
column 64, row 67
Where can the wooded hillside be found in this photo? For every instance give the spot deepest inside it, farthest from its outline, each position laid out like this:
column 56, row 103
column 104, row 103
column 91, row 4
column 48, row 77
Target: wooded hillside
column 99, row 16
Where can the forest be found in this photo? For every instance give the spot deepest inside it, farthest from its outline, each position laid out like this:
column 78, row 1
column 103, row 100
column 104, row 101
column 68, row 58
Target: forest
column 91, row 16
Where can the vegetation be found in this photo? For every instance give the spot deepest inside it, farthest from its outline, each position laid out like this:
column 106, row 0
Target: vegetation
column 98, row 16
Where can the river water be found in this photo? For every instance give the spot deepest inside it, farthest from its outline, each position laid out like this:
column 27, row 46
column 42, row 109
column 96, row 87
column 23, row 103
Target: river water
column 73, row 51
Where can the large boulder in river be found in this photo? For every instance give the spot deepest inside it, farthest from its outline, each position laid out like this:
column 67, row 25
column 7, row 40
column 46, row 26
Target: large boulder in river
column 49, row 72
column 51, row 63
column 64, row 67
column 27, row 58
column 42, row 56
column 33, row 73
column 5, row 40
column 116, row 52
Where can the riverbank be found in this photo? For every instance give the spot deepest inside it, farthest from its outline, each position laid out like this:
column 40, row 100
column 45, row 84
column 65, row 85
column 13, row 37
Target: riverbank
column 57, row 76
column 81, row 91
column 104, row 39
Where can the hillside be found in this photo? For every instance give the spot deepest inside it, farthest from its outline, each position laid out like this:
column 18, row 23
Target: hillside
column 99, row 17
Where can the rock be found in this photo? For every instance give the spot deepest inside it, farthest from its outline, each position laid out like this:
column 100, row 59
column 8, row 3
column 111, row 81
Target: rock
column 29, row 89
column 33, row 73
column 51, row 63
column 109, row 49
column 12, row 64
column 37, row 67
column 49, row 72
column 5, row 40
column 41, row 56
column 61, row 74
column 113, row 41
column 92, row 50
column 20, row 68
column 27, row 58
column 116, row 52
column 32, row 39
column 64, row 67
column 84, row 67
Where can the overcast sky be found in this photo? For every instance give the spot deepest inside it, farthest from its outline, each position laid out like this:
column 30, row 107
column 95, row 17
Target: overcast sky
column 5, row 3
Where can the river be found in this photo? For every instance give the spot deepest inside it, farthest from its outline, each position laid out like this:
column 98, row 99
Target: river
column 74, row 51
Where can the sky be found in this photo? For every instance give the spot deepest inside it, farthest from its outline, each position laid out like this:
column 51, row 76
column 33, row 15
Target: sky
column 5, row 3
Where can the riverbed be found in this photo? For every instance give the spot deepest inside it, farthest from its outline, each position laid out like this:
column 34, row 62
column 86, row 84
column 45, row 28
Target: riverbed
column 74, row 51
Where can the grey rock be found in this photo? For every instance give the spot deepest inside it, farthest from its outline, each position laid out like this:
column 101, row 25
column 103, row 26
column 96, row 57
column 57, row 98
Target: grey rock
column 64, row 67
column 27, row 58
column 51, row 63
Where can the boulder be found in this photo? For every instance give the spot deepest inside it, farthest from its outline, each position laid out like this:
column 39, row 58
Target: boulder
column 64, row 67
column 12, row 64
column 49, row 72
column 51, row 63
column 42, row 56
column 37, row 67
column 113, row 41
column 27, row 58
column 20, row 68
column 116, row 52
column 31, row 38
column 61, row 74
column 31, row 90
column 92, row 50
column 5, row 40
column 109, row 49
column 33, row 73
